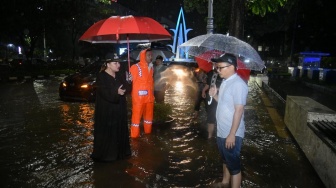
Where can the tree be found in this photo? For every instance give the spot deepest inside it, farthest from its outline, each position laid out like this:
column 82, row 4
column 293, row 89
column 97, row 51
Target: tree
column 236, row 18
column 29, row 22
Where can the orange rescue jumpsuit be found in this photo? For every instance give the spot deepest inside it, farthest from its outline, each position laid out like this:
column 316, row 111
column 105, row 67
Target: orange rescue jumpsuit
column 142, row 96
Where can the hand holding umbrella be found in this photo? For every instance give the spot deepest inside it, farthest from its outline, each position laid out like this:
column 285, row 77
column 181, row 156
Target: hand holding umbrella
column 129, row 77
column 212, row 92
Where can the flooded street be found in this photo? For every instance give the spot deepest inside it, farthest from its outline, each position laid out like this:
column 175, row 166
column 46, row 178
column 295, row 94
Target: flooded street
column 46, row 142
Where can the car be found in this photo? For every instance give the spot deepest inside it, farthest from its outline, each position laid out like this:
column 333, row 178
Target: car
column 81, row 86
column 16, row 63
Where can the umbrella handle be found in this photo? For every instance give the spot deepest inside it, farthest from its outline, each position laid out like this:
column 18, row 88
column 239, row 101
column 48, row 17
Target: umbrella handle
column 213, row 84
column 128, row 56
column 210, row 101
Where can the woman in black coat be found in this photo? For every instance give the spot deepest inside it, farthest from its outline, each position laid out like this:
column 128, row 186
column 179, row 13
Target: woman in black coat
column 111, row 133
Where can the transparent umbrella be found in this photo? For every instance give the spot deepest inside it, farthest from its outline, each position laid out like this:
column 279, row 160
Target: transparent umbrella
column 227, row 44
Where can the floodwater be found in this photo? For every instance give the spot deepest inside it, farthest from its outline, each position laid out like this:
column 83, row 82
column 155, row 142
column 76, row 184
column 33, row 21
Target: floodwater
column 46, row 142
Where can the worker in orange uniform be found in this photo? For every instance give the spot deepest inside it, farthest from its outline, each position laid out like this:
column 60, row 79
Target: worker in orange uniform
column 142, row 93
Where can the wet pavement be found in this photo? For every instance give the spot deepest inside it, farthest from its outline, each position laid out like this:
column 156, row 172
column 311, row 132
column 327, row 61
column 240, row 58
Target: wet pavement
column 46, row 142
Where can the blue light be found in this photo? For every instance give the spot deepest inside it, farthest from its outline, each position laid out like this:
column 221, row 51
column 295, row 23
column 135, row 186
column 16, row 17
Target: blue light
column 311, row 59
column 180, row 34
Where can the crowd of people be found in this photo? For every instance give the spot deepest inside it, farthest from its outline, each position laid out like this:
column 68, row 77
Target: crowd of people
column 222, row 91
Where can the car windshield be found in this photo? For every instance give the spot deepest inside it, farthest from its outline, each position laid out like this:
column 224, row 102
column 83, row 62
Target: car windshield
column 92, row 68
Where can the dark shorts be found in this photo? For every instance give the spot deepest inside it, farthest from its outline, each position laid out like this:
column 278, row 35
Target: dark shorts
column 231, row 157
column 211, row 112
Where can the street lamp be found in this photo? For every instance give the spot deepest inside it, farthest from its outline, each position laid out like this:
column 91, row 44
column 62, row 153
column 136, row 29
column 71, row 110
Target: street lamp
column 210, row 25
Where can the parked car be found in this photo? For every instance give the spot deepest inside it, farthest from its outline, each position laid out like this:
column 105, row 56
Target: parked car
column 81, row 85
column 16, row 63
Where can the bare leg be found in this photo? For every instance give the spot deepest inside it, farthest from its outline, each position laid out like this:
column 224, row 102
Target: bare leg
column 226, row 175
column 211, row 129
column 236, row 180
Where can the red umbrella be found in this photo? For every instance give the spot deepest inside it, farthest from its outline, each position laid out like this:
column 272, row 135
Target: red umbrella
column 204, row 62
column 125, row 29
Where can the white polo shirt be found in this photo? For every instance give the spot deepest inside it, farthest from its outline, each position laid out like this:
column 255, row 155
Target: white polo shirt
column 232, row 91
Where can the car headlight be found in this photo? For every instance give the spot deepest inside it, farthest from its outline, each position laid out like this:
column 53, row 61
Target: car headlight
column 84, row 86
column 87, row 85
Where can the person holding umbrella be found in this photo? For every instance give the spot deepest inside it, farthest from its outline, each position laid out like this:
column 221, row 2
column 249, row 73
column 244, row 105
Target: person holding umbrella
column 231, row 99
column 142, row 93
column 159, row 83
column 111, row 134
column 211, row 105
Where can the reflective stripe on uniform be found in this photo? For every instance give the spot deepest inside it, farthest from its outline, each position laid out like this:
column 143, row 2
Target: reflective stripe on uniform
column 142, row 92
column 148, row 122
column 140, row 72
column 135, row 125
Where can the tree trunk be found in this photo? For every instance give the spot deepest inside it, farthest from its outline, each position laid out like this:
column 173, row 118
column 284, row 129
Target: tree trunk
column 236, row 27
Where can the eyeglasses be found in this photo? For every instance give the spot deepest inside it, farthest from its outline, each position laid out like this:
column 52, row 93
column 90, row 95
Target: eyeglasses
column 220, row 68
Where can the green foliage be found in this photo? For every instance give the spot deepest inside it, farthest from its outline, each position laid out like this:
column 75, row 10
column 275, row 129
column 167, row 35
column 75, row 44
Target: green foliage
column 105, row 1
column 261, row 7
column 258, row 7
column 162, row 112
column 198, row 5
column 222, row 12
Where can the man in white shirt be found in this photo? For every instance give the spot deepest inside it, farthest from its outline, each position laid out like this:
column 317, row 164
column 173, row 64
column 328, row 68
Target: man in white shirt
column 230, row 117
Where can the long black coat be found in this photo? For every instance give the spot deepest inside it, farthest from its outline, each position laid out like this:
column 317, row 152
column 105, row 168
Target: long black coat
column 111, row 133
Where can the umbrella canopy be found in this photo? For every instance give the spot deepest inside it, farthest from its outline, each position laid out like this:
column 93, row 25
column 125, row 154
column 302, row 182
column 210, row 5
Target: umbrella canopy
column 223, row 43
column 204, row 59
column 204, row 62
column 125, row 29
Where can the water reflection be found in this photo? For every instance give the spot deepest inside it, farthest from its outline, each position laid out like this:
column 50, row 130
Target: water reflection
column 178, row 76
column 49, row 144
column 179, row 86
